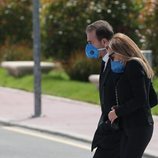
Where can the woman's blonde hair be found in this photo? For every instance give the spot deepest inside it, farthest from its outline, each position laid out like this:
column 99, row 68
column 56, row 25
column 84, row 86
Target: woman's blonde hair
column 122, row 44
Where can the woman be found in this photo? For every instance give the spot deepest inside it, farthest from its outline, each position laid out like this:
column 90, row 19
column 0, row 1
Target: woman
column 134, row 94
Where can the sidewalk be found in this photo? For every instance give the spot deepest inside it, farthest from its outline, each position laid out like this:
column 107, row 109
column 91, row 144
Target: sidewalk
column 60, row 116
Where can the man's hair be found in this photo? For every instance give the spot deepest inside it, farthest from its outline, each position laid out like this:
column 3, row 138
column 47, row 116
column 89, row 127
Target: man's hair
column 103, row 29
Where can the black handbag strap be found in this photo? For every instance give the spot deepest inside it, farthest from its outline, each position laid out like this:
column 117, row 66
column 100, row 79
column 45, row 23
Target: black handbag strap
column 116, row 95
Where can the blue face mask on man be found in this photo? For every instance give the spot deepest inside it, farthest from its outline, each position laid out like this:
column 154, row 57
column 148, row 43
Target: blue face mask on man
column 92, row 51
column 117, row 66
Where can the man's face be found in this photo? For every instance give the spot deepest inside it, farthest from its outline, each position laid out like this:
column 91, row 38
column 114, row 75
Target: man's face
column 92, row 38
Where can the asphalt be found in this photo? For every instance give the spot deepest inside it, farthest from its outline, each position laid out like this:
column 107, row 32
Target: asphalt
column 60, row 116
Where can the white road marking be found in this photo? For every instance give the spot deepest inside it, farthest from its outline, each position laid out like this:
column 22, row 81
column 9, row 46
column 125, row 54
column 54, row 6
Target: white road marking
column 48, row 137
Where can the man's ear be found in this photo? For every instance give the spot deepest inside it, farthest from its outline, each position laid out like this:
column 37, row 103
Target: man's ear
column 105, row 42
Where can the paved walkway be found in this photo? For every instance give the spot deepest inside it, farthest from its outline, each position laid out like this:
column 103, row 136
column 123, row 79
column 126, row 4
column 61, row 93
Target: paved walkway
column 59, row 116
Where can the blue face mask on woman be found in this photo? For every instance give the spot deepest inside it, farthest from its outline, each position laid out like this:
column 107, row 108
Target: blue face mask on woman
column 92, row 51
column 117, row 66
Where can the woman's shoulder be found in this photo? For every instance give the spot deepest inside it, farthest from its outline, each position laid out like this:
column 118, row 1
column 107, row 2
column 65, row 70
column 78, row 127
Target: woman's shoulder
column 134, row 67
column 134, row 63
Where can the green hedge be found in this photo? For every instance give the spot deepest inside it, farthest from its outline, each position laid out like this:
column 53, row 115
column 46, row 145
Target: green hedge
column 16, row 52
column 150, row 31
column 15, row 21
column 64, row 22
column 78, row 67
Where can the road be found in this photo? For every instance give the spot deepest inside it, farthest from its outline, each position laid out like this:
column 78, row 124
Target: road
column 22, row 143
column 17, row 142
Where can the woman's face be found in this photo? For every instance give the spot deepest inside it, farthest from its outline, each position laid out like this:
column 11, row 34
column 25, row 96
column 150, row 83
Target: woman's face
column 117, row 56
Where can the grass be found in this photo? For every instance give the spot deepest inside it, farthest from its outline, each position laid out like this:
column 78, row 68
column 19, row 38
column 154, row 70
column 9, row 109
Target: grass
column 54, row 84
column 57, row 83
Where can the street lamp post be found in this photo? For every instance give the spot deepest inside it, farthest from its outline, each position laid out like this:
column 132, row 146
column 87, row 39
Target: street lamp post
column 37, row 56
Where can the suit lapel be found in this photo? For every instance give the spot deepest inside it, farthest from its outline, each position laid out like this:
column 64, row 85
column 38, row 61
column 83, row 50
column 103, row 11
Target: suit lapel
column 104, row 74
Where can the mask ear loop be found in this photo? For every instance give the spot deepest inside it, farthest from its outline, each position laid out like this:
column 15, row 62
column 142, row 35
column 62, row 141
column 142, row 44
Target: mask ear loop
column 100, row 49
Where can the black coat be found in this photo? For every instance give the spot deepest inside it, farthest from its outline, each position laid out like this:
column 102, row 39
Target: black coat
column 134, row 105
column 136, row 96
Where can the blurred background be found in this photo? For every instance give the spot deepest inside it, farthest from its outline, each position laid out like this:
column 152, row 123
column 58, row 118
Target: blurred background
column 65, row 127
column 63, row 38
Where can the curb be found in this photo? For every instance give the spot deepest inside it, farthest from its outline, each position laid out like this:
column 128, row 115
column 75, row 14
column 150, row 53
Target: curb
column 56, row 133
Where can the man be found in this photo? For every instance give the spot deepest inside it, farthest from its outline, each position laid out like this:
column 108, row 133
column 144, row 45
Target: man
column 106, row 139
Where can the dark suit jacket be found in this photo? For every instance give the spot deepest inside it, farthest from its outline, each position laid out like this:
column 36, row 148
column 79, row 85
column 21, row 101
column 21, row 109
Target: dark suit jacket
column 105, row 136
column 136, row 96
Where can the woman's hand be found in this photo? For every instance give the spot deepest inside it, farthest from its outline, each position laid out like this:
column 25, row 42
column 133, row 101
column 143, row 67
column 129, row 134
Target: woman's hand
column 112, row 115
